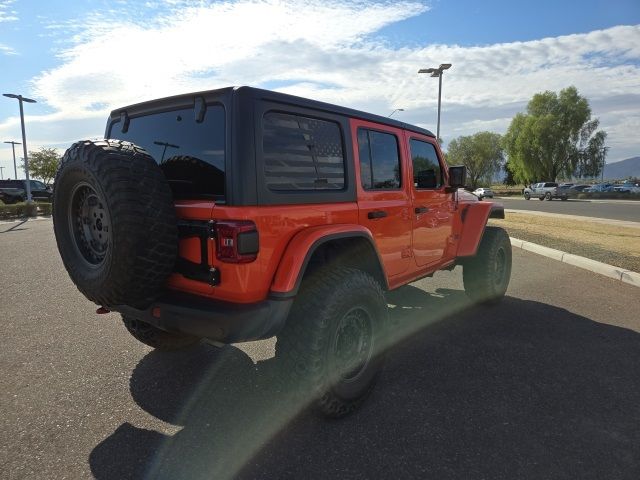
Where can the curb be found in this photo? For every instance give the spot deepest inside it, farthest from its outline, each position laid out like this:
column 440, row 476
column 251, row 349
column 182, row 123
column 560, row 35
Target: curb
column 617, row 273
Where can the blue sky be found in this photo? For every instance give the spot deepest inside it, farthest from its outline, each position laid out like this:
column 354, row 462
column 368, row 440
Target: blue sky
column 80, row 59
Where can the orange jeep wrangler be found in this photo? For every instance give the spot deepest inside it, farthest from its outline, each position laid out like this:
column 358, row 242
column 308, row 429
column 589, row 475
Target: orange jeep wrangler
column 240, row 214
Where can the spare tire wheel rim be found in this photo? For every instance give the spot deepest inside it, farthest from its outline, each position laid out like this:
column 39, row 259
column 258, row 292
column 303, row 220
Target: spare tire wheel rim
column 89, row 224
column 353, row 344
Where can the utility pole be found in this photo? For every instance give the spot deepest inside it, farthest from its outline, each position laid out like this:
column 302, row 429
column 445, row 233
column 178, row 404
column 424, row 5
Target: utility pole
column 15, row 168
column 21, row 99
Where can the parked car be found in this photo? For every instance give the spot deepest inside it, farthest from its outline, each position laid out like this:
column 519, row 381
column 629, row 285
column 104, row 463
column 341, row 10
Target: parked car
column 483, row 193
column 16, row 191
column 578, row 188
column 219, row 241
column 545, row 191
column 12, row 195
column 601, row 187
column 627, row 187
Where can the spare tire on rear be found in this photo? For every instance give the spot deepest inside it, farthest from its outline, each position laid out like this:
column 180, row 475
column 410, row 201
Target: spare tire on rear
column 114, row 222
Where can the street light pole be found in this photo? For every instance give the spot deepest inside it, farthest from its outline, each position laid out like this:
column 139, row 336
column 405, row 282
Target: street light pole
column 1, row 175
column 396, row 110
column 15, row 168
column 21, row 99
column 437, row 72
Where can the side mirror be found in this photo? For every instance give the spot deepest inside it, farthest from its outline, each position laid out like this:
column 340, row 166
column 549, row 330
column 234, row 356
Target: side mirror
column 457, row 177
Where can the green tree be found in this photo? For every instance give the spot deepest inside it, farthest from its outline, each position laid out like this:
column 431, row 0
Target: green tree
column 43, row 164
column 555, row 138
column 481, row 153
column 509, row 179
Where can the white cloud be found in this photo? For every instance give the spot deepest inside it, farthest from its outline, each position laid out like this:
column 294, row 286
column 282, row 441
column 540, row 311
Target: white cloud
column 329, row 50
column 7, row 14
column 6, row 50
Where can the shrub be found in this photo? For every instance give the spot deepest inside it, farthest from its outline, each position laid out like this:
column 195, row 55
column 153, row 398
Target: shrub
column 24, row 210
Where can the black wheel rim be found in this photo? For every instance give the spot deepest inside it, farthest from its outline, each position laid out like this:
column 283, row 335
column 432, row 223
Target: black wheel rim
column 500, row 267
column 353, row 344
column 89, row 224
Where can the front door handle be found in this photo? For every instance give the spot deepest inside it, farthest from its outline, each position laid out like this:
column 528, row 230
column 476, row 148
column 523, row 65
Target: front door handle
column 421, row 209
column 376, row 214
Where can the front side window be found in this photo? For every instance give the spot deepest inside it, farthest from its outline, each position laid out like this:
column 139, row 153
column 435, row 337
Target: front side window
column 189, row 150
column 426, row 167
column 379, row 160
column 302, row 153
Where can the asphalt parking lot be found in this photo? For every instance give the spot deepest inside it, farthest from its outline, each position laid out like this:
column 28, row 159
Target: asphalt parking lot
column 544, row 385
column 628, row 210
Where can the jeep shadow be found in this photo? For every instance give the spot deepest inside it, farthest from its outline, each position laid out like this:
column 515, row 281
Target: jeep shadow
column 518, row 390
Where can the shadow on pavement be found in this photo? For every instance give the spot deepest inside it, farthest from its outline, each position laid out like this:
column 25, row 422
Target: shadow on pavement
column 14, row 228
column 519, row 390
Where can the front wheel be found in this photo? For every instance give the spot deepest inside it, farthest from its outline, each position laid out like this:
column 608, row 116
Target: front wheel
column 527, row 196
column 486, row 276
column 331, row 344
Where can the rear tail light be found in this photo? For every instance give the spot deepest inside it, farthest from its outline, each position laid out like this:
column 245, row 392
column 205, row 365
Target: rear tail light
column 236, row 241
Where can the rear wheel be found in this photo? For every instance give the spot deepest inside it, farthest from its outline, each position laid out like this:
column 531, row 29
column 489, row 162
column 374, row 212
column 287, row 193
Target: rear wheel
column 156, row 338
column 564, row 198
column 486, row 276
column 548, row 196
column 331, row 344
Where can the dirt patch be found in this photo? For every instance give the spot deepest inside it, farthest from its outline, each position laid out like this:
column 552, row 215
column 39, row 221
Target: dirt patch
column 615, row 245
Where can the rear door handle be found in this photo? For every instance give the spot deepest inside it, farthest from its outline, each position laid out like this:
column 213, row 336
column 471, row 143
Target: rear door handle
column 421, row 209
column 376, row 214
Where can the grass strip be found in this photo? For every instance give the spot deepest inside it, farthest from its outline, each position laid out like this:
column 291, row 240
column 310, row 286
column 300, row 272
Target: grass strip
column 612, row 244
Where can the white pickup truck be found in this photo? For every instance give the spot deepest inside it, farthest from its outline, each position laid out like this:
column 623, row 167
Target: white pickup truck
column 544, row 190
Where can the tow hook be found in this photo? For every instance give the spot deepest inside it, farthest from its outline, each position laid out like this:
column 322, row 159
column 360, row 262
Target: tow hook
column 102, row 311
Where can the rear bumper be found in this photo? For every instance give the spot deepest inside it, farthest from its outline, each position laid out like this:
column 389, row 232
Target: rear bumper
column 220, row 321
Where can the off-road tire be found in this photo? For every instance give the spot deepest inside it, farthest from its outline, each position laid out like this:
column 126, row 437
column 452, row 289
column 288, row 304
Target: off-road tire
column 486, row 276
column 139, row 251
column 541, row 198
column 157, row 338
column 527, row 196
column 548, row 196
column 306, row 346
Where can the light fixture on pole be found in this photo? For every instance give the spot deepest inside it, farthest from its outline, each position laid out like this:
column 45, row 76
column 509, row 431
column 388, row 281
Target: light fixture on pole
column 396, row 110
column 15, row 168
column 437, row 72
column 21, row 99
column 164, row 150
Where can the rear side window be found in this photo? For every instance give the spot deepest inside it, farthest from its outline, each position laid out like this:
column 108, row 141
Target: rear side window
column 426, row 167
column 302, row 153
column 379, row 160
column 550, row 185
column 190, row 151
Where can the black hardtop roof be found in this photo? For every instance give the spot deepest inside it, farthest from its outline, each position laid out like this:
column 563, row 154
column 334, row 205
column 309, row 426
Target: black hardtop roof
column 187, row 98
